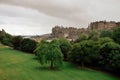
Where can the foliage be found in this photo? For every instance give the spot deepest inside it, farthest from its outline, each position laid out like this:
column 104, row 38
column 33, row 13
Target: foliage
column 50, row 53
column 116, row 35
column 28, row 45
column 16, row 41
column 104, row 40
column 5, row 38
column 2, row 34
column 65, row 46
column 82, row 37
column 106, row 33
column 93, row 35
column 110, row 56
column 85, row 53
column 17, row 65
column 6, row 41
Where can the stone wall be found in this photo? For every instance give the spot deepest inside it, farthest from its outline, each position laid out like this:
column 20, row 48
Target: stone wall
column 73, row 33
column 103, row 25
column 69, row 33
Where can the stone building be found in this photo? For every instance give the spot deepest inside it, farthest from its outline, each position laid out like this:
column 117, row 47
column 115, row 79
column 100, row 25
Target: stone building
column 103, row 25
column 73, row 33
column 69, row 33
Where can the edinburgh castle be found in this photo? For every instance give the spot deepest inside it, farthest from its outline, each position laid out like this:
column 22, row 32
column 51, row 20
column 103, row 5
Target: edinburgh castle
column 73, row 33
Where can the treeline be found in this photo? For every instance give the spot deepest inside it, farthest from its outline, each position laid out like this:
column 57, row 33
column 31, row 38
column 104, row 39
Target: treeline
column 96, row 49
column 17, row 42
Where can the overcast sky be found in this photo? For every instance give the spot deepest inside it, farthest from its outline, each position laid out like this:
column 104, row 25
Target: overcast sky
column 31, row 17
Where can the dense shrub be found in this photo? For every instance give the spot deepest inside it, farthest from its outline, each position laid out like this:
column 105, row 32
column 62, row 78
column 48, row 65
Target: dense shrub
column 93, row 35
column 104, row 40
column 5, row 38
column 6, row 41
column 65, row 46
column 82, row 37
column 110, row 56
column 85, row 53
column 28, row 45
column 16, row 41
column 116, row 35
column 106, row 33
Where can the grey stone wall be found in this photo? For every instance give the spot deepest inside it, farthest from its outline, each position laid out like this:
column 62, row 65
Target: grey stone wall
column 73, row 33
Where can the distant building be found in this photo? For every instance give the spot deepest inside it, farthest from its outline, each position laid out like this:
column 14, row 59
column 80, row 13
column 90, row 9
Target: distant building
column 72, row 33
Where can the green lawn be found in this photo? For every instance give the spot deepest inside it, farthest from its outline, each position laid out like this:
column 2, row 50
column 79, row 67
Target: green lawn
column 16, row 65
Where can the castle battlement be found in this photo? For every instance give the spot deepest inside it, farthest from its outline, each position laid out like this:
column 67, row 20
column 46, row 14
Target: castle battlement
column 73, row 33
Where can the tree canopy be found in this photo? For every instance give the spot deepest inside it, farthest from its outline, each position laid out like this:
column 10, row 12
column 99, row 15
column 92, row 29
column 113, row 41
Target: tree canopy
column 28, row 45
column 50, row 53
column 65, row 46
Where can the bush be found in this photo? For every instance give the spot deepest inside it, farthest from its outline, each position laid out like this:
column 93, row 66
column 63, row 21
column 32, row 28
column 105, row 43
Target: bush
column 110, row 56
column 106, row 33
column 104, row 40
column 116, row 35
column 6, row 41
column 82, row 37
column 65, row 46
column 5, row 38
column 93, row 35
column 16, row 41
column 28, row 45
column 85, row 53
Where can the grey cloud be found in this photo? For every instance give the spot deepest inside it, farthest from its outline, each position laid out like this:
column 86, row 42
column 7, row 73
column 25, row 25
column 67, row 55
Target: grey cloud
column 77, row 11
column 49, row 13
column 65, row 9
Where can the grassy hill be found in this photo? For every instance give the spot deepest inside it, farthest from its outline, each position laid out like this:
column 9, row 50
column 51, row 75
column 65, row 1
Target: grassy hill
column 16, row 65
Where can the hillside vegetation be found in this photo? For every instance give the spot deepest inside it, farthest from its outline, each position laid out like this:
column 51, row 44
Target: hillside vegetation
column 16, row 65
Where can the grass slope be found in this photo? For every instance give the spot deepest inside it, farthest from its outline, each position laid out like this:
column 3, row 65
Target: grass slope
column 16, row 65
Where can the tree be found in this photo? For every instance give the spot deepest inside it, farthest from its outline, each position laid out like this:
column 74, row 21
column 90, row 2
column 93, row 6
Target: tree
column 2, row 34
column 93, row 35
column 85, row 52
column 16, row 41
column 110, row 56
column 5, row 38
column 50, row 53
column 28, row 45
column 106, row 33
column 65, row 46
column 104, row 40
column 116, row 35
column 6, row 41
column 82, row 37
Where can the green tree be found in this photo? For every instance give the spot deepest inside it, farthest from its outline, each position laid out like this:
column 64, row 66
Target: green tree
column 93, row 35
column 50, row 53
column 85, row 53
column 82, row 37
column 5, row 38
column 106, row 33
column 6, row 41
column 116, row 35
column 16, row 41
column 65, row 46
column 2, row 34
column 104, row 40
column 110, row 56
column 28, row 45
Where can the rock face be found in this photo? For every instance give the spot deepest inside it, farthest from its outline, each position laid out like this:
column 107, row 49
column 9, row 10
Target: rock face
column 73, row 33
